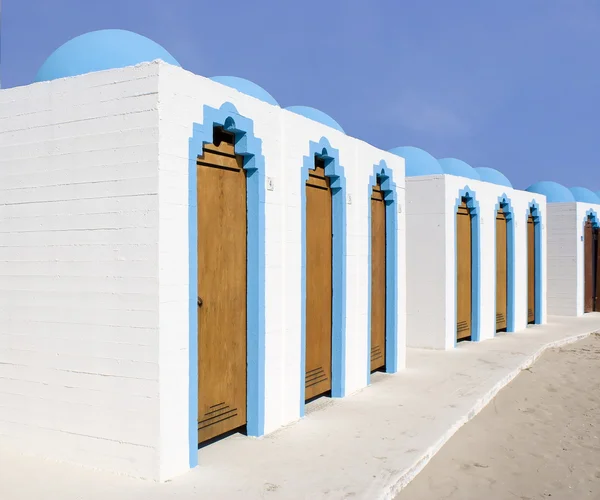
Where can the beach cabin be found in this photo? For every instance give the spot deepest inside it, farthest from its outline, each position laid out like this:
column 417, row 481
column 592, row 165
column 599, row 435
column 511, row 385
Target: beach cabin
column 476, row 256
column 183, row 258
column 573, row 255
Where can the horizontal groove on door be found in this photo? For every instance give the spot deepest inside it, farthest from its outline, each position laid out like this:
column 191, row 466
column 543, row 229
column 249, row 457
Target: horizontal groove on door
column 462, row 326
column 315, row 376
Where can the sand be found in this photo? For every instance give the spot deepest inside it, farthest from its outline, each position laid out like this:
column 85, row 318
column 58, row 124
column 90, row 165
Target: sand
column 538, row 439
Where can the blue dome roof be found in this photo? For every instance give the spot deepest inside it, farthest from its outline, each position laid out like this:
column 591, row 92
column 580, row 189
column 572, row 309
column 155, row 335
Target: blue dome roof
column 101, row 50
column 316, row 115
column 585, row 195
column 597, row 194
column 246, row 87
column 417, row 161
column 453, row 166
column 493, row 176
column 553, row 191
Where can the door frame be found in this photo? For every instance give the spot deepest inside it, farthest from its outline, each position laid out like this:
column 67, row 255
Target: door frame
column 382, row 172
column 335, row 172
column 505, row 204
column 473, row 206
column 250, row 147
column 595, row 225
column 534, row 210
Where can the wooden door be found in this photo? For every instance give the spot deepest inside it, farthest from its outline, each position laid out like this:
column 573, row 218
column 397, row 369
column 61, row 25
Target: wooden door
column 222, row 224
column 597, row 273
column 589, row 275
column 464, row 272
column 318, row 282
column 501, row 271
column 530, row 270
column 378, row 281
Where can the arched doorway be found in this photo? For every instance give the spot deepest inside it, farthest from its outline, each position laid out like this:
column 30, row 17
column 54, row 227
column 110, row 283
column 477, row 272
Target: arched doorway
column 378, row 278
column 591, row 264
column 222, row 288
column 319, row 289
column 501, row 271
column 464, row 272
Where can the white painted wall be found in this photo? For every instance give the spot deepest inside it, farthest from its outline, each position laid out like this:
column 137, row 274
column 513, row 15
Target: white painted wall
column 94, row 313
column 285, row 141
column 566, row 257
column 79, row 317
column 431, row 260
column 563, row 246
column 426, row 263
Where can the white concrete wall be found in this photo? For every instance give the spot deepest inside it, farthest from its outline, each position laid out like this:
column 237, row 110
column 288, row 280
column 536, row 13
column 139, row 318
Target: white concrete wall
column 426, row 271
column 94, row 313
column 431, row 259
column 79, row 372
column 581, row 209
column 566, row 257
column 563, row 248
column 285, row 141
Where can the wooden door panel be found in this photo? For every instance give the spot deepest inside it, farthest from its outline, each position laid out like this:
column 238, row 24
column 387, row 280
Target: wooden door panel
column 378, row 279
column 318, row 283
column 222, row 289
column 530, row 270
column 464, row 273
column 597, row 273
column 501, row 271
column 588, row 277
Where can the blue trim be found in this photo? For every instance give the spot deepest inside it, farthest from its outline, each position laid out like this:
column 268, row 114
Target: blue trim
column 504, row 202
column 316, row 115
column 246, row 87
column 248, row 146
column 335, row 172
column 594, row 216
column 590, row 214
column 473, row 206
column 388, row 187
column 101, row 50
column 534, row 209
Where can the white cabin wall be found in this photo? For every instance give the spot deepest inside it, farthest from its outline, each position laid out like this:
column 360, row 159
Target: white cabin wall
column 285, row 140
column 581, row 211
column 183, row 96
column 563, row 249
column 431, row 226
column 79, row 344
column 426, row 266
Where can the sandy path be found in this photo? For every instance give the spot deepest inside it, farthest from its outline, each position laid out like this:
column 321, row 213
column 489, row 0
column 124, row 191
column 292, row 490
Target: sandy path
column 539, row 438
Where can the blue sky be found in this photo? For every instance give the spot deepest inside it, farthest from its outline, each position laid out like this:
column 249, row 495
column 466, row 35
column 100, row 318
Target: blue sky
column 513, row 85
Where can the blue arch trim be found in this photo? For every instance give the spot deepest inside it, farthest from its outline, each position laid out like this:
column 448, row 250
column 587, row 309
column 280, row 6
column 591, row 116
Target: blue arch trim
column 335, row 172
column 534, row 209
column 594, row 216
column 384, row 174
column 250, row 148
column 473, row 206
column 504, row 203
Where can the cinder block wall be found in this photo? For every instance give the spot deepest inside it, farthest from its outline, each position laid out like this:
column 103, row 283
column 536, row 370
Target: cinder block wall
column 79, row 270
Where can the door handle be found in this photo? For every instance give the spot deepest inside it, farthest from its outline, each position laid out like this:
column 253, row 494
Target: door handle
column 199, row 302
